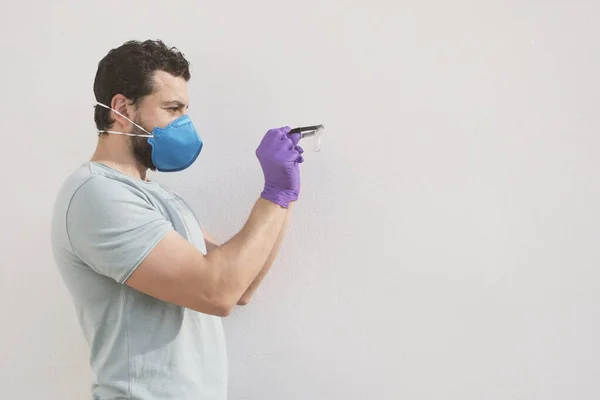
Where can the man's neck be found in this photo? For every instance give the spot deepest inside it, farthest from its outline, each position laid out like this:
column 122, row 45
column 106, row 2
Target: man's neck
column 124, row 163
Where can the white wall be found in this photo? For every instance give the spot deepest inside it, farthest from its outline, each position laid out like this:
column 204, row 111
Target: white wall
column 446, row 241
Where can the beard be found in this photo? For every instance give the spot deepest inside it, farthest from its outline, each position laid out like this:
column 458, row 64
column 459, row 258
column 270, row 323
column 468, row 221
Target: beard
column 140, row 147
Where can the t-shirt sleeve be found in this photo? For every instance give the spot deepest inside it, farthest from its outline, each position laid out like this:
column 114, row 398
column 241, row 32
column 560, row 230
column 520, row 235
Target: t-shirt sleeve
column 112, row 226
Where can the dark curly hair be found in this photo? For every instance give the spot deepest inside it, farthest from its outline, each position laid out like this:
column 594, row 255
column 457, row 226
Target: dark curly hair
column 128, row 70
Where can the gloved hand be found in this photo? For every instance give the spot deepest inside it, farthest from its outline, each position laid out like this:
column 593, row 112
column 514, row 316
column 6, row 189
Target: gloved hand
column 279, row 156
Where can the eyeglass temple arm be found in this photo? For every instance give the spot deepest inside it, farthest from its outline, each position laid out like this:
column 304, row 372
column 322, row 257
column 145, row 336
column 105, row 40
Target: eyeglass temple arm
column 305, row 129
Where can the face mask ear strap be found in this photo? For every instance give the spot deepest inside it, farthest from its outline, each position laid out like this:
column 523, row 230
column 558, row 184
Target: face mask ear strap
column 124, row 133
column 116, row 112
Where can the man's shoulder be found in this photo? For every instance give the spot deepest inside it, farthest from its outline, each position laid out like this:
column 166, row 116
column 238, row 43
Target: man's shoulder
column 96, row 181
column 72, row 183
column 96, row 193
column 93, row 196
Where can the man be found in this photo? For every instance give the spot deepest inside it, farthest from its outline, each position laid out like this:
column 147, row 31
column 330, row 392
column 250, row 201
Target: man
column 149, row 286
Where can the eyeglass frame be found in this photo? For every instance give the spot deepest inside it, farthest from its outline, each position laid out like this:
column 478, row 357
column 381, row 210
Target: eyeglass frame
column 306, row 131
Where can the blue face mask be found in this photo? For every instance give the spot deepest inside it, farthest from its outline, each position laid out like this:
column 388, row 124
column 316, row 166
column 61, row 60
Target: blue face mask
column 174, row 147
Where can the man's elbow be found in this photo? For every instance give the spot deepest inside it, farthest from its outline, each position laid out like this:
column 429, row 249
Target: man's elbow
column 224, row 306
column 223, row 300
column 219, row 306
column 218, row 309
column 224, row 311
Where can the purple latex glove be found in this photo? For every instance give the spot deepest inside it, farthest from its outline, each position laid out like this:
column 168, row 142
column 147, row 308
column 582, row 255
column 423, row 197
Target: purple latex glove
column 279, row 156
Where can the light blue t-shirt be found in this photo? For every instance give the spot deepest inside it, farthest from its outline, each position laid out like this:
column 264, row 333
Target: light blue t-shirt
column 104, row 224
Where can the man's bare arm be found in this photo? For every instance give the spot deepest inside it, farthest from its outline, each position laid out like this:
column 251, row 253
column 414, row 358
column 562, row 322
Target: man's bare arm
column 211, row 244
column 176, row 272
column 245, row 299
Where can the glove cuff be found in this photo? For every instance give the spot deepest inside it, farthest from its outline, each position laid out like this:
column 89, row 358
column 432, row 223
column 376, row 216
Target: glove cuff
column 278, row 196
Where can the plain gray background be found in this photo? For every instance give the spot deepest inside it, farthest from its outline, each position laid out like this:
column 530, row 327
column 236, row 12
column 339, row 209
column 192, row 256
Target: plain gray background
column 445, row 244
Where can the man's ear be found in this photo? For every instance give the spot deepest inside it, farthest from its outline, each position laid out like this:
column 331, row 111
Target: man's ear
column 123, row 105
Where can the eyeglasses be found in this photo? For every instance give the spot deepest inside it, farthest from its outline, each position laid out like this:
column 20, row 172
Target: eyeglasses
column 315, row 131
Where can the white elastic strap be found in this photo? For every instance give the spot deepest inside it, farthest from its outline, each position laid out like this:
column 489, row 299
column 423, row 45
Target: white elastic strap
column 124, row 133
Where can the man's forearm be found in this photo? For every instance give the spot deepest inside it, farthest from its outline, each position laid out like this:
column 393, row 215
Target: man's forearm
column 269, row 262
column 243, row 257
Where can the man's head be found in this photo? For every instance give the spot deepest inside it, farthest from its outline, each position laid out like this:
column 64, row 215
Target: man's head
column 147, row 83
